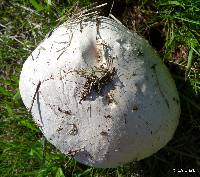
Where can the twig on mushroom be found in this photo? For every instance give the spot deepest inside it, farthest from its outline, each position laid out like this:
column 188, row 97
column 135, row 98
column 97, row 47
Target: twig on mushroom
column 36, row 91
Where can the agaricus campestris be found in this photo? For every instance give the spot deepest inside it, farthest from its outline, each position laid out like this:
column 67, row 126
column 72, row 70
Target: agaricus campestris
column 100, row 93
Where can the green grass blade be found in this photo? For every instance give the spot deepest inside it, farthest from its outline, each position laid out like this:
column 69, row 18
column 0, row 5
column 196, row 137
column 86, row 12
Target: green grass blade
column 189, row 63
column 175, row 3
column 187, row 20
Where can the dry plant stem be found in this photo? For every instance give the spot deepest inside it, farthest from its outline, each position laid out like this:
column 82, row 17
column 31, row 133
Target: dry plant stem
column 84, row 14
column 28, row 9
column 96, row 83
column 36, row 91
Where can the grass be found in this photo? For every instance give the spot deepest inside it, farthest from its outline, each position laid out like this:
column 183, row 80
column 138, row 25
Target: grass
column 172, row 27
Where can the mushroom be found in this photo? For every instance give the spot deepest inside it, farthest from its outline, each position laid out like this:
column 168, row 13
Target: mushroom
column 100, row 93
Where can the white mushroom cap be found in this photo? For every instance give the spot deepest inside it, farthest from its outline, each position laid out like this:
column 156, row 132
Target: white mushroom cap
column 127, row 117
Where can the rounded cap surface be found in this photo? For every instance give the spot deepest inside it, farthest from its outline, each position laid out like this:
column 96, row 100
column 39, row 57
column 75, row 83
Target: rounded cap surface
column 100, row 93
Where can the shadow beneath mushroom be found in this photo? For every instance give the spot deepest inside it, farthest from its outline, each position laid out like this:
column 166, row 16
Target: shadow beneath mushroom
column 182, row 152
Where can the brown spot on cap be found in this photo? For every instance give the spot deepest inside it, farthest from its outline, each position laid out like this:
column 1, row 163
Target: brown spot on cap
column 135, row 108
column 103, row 133
column 108, row 116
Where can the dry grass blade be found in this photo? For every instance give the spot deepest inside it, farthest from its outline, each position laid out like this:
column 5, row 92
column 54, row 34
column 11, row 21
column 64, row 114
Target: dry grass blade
column 27, row 9
column 80, row 14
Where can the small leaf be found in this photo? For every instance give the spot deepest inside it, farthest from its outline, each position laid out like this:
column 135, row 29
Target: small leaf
column 49, row 2
column 36, row 5
column 29, row 125
column 9, row 110
column 59, row 173
column 17, row 96
column 36, row 152
column 4, row 92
